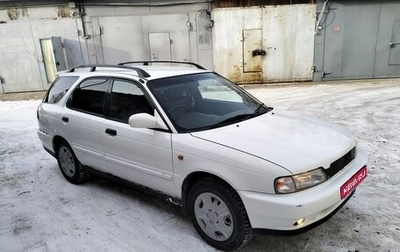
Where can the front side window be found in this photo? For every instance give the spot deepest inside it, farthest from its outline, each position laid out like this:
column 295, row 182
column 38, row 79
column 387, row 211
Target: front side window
column 89, row 96
column 127, row 99
column 59, row 87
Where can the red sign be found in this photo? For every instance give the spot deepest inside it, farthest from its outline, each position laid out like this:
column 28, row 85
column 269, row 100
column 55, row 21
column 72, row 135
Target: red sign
column 352, row 183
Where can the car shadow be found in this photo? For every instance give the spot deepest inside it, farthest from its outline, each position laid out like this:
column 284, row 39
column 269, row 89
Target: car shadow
column 135, row 193
column 326, row 237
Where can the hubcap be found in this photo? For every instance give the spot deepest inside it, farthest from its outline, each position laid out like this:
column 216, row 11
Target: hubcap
column 67, row 162
column 213, row 216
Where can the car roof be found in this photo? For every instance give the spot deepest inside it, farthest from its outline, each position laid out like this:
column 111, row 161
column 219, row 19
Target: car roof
column 162, row 72
column 150, row 70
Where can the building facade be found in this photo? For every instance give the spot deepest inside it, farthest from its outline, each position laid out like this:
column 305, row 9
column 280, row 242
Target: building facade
column 253, row 41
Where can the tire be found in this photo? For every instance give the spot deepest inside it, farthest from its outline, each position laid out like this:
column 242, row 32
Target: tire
column 70, row 166
column 218, row 215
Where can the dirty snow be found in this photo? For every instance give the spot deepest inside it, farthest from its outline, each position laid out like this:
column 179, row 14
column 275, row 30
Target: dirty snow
column 41, row 211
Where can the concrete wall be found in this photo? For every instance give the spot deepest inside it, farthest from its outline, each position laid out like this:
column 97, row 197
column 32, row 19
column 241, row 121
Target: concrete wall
column 286, row 36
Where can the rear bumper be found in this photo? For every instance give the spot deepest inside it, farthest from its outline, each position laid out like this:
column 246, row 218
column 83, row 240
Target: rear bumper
column 47, row 141
column 315, row 205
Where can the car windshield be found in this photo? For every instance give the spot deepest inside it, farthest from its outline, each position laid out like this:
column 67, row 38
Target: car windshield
column 204, row 101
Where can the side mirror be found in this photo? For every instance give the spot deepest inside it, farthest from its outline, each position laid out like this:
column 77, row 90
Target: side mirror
column 144, row 120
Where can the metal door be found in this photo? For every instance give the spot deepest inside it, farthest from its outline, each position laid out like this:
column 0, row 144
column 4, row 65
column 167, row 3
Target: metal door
column 167, row 36
column 160, row 46
column 349, row 40
column 394, row 44
column 59, row 55
column 53, row 57
column 252, row 50
column 48, row 59
column 387, row 58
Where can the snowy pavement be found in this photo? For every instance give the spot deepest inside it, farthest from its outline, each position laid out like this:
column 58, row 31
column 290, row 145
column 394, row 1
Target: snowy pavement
column 41, row 211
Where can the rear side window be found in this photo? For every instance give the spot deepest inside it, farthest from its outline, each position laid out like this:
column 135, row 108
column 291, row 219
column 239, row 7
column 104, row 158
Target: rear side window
column 59, row 87
column 89, row 96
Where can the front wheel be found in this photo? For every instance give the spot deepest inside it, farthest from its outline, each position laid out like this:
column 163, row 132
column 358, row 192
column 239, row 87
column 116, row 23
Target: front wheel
column 70, row 166
column 218, row 214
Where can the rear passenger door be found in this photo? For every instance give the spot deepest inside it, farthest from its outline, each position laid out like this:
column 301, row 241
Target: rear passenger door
column 142, row 156
column 83, row 120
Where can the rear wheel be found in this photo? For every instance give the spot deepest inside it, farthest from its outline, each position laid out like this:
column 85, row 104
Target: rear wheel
column 218, row 215
column 69, row 165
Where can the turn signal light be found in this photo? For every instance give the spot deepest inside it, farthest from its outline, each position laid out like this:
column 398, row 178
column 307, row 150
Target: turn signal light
column 299, row 222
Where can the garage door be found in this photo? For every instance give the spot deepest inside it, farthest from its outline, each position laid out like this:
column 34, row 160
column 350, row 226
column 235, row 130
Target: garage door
column 358, row 39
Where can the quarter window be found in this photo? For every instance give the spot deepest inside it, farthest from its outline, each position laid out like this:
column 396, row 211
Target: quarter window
column 127, row 99
column 59, row 87
column 89, row 96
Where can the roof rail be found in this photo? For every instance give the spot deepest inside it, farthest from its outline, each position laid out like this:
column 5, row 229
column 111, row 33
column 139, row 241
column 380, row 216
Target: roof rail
column 141, row 73
column 150, row 62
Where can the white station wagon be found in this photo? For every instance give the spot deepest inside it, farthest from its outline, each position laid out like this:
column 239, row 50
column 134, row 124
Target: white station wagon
column 234, row 164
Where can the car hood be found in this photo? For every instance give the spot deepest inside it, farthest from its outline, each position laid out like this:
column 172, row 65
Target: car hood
column 296, row 143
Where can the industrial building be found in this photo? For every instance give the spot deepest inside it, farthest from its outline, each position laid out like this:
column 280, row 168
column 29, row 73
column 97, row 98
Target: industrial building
column 251, row 41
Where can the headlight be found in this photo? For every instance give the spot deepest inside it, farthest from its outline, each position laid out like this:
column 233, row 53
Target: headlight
column 294, row 183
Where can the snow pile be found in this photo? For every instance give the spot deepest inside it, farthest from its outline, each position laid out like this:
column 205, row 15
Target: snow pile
column 41, row 211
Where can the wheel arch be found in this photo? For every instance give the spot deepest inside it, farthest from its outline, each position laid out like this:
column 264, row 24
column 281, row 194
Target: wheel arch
column 237, row 208
column 193, row 178
column 57, row 140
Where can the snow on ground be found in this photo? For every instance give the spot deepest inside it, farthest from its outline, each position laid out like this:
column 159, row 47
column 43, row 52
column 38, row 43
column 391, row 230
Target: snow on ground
column 41, row 211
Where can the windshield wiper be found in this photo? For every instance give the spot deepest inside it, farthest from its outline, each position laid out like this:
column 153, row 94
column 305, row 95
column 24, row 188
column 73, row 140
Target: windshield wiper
column 230, row 120
column 261, row 109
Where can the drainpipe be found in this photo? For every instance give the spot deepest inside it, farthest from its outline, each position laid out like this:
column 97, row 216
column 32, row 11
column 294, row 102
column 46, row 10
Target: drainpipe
column 82, row 14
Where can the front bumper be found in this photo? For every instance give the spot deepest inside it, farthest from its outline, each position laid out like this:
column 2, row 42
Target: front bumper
column 281, row 212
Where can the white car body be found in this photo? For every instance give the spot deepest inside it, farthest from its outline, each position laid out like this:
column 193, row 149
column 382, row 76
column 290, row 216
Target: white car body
column 248, row 155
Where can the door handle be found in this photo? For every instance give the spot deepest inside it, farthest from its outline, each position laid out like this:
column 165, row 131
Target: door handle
column 65, row 119
column 258, row 52
column 111, row 132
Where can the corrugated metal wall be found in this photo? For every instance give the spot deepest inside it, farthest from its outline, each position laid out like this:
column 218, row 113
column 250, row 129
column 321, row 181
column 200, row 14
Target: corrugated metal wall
column 249, row 3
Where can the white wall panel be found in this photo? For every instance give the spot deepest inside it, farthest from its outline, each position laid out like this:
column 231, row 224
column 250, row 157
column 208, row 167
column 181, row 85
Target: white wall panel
column 107, row 34
column 21, row 59
column 289, row 42
column 287, row 37
column 227, row 37
column 18, row 61
column 122, row 39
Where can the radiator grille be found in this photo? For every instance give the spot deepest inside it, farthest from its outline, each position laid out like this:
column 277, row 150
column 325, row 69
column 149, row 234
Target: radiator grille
column 339, row 164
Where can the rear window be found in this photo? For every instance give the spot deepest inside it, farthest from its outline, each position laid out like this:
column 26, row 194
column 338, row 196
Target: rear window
column 59, row 87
